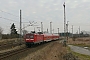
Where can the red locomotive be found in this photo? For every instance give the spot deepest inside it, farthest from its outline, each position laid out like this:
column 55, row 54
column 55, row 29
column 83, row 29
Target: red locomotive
column 34, row 38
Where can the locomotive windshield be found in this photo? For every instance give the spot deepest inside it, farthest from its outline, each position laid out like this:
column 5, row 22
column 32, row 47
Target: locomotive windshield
column 30, row 36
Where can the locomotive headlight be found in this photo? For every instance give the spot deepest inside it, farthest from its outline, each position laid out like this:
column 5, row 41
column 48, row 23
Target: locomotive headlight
column 27, row 39
column 31, row 39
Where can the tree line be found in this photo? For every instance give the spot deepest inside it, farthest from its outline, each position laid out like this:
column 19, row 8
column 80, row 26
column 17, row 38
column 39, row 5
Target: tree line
column 13, row 33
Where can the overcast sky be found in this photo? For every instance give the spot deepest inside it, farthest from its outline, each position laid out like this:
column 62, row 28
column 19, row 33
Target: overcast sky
column 46, row 11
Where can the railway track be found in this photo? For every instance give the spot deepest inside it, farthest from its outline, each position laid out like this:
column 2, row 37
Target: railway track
column 9, row 54
column 13, row 52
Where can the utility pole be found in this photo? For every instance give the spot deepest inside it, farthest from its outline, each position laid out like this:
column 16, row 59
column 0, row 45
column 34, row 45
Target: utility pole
column 50, row 27
column 41, row 27
column 58, row 30
column 23, row 29
column 34, row 28
column 64, row 21
column 53, row 30
column 72, row 31
column 79, row 31
column 67, row 29
column 38, row 28
column 47, row 30
column 20, row 27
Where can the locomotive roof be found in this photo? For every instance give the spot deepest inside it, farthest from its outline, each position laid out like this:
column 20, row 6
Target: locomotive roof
column 45, row 34
column 50, row 34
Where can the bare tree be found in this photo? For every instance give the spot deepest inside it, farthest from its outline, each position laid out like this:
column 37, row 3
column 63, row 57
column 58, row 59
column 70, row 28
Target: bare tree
column 1, row 30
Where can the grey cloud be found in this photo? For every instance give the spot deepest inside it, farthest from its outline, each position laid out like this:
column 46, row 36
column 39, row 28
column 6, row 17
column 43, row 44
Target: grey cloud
column 47, row 10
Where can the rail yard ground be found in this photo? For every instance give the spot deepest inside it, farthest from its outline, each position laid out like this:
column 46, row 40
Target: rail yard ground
column 54, row 51
column 82, row 42
column 49, row 51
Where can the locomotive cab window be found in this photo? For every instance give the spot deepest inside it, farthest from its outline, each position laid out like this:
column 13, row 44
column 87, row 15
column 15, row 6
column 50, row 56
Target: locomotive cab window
column 30, row 36
column 27, row 36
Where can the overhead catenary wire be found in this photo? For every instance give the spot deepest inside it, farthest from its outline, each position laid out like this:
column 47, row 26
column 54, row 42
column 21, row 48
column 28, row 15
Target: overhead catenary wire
column 18, row 17
column 8, row 19
column 31, row 22
column 15, row 21
column 13, row 14
column 9, row 13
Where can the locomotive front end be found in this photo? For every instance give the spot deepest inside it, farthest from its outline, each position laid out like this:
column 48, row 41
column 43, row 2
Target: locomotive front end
column 29, row 39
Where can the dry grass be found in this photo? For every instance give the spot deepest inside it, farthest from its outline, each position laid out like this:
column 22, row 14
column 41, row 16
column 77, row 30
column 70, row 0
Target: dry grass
column 8, row 41
column 80, row 56
column 82, row 42
column 54, row 51
column 85, row 41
